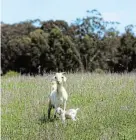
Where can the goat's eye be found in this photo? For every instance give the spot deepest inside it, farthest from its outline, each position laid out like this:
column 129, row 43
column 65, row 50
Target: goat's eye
column 55, row 77
column 62, row 77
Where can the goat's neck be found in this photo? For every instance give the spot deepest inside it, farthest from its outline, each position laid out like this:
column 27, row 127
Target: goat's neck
column 59, row 88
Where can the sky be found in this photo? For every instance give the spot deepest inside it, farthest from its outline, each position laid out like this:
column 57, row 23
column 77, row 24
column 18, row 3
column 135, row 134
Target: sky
column 14, row 11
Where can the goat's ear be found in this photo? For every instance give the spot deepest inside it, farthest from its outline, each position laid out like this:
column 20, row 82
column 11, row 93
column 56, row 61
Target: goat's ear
column 64, row 79
column 63, row 72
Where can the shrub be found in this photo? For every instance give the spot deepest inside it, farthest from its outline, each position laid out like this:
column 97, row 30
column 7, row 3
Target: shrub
column 11, row 74
column 100, row 71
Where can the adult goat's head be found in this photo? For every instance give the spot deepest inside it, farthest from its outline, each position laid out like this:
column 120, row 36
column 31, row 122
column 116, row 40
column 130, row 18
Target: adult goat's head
column 60, row 78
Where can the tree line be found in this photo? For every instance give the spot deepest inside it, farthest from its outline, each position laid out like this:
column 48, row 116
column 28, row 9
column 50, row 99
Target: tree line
column 88, row 44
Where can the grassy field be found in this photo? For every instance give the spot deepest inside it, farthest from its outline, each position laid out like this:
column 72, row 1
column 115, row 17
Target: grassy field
column 107, row 105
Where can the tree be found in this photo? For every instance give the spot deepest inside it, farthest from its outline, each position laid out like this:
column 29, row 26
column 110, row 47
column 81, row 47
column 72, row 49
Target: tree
column 88, row 44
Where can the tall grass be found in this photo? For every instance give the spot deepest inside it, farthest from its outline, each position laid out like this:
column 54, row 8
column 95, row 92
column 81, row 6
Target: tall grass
column 107, row 105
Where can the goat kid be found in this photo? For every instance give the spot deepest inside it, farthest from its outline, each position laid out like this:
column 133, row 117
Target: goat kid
column 69, row 114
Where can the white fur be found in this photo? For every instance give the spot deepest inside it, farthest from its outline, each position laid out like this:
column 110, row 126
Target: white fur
column 69, row 114
column 54, row 85
column 58, row 95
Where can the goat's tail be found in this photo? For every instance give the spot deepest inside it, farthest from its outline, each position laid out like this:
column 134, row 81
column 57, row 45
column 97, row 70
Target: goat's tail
column 77, row 109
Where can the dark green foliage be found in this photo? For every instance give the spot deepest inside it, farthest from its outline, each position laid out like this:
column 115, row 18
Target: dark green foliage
column 88, row 44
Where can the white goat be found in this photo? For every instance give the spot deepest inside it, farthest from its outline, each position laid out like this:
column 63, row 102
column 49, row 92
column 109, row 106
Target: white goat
column 58, row 95
column 69, row 114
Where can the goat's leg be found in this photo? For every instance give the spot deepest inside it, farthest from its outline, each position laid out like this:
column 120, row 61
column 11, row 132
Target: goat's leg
column 55, row 110
column 64, row 105
column 49, row 110
column 64, row 111
column 55, row 114
column 74, row 118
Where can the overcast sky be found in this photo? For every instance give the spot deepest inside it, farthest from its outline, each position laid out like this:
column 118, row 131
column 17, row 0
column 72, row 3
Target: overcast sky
column 13, row 11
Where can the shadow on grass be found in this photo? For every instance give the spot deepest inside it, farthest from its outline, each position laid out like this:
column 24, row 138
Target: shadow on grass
column 44, row 119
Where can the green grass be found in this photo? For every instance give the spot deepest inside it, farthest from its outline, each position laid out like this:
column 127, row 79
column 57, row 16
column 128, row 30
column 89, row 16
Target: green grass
column 107, row 105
